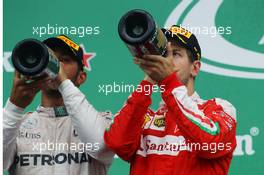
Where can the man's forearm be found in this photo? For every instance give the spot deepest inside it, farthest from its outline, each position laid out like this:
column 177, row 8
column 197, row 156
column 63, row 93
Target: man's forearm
column 202, row 122
column 88, row 122
column 12, row 118
column 123, row 137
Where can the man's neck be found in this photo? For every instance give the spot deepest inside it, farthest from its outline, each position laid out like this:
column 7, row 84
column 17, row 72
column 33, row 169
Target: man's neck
column 190, row 87
column 51, row 99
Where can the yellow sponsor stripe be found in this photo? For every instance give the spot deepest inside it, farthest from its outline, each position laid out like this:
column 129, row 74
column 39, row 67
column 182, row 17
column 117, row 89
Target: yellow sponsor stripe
column 182, row 31
column 69, row 42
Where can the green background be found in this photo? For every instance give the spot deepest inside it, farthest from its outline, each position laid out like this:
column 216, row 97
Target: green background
column 113, row 62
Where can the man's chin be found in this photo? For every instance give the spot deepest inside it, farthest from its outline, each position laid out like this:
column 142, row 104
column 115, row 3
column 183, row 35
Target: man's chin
column 51, row 92
column 51, row 88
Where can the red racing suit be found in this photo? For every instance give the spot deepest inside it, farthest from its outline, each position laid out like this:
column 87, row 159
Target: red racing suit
column 185, row 136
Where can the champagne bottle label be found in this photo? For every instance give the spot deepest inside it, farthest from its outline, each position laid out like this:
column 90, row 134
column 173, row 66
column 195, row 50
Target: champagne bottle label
column 53, row 66
column 141, row 34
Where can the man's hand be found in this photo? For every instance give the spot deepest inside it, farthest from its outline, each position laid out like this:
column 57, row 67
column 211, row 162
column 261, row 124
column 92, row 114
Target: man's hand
column 147, row 78
column 62, row 75
column 156, row 66
column 23, row 92
column 60, row 78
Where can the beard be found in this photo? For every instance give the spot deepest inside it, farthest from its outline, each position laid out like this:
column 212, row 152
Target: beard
column 185, row 81
column 184, row 78
column 52, row 90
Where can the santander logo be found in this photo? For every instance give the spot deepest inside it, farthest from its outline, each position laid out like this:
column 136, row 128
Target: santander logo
column 167, row 145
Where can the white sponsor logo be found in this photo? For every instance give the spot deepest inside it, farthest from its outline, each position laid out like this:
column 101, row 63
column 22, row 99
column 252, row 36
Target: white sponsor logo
column 245, row 143
column 8, row 67
column 168, row 145
column 261, row 41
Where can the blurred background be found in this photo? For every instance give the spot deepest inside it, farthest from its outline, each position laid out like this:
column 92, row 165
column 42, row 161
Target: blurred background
column 231, row 35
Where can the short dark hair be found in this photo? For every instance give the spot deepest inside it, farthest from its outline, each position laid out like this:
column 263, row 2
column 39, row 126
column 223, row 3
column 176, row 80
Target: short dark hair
column 190, row 55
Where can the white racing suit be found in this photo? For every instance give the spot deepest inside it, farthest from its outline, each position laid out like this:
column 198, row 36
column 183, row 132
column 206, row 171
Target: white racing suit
column 56, row 141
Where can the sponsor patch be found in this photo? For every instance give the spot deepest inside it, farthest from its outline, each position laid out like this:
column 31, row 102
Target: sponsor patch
column 69, row 42
column 147, row 120
column 168, row 145
column 180, row 30
column 159, row 122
